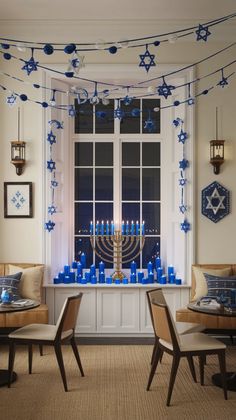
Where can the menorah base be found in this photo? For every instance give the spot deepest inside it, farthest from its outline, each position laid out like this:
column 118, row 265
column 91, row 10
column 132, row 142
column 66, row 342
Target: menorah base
column 118, row 275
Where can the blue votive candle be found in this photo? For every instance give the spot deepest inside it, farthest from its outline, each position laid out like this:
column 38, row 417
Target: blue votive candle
column 158, row 262
column 74, row 264
column 56, row 280
column 101, row 266
column 132, row 278
column 178, row 281
column 133, row 267
column 117, row 281
column 151, row 277
column 92, row 270
column 125, row 280
column 72, row 276
column 109, row 280
column 149, row 266
column 171, row 278
column 67, row 279
column 159, row 273
column 61, row 276
column 140, row 276
column 93, row 279
column 87, row 275
column 83, row 280
column 163, row 279
column 83, row 260
column 170, row 270
column 79, row 278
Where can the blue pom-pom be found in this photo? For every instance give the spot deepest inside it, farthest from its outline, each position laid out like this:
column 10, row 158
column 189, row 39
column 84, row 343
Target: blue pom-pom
column 156, row 43
column 70, row 48
column 36, row 86
column 205, row 92
column 48, row 49
column 135, row 112
column 113, row 49
column 176, row 103
column 44, row 104
column 23, row 97
column 7, row 56
column 5, row 46
column 69, row 73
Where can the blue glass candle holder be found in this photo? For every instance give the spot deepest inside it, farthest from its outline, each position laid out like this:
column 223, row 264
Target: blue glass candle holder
column 78, row 278
column 144, row 280
column 159, row 273
column 92, row 270
column 117, row 281
column 101, row 267
column 133, row 267
column 74, row 264
column 61, row 276
column 87, row 275
column 79, row 269
column 83, row 280
column 157, row 262
column 149, row 266
column 83, row 260
column 151, row 277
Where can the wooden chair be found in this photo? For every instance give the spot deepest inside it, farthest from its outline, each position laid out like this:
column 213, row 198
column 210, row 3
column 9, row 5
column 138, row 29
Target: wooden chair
column 182, row 327
column 53, row 335
column 188, row 345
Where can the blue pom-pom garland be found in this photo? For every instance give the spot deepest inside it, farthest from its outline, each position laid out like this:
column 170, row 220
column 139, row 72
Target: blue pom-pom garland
column 48, row 49
column 5, row 46
column 70, row 48
column 7, row 56
column 23, row 97
column 113, row 49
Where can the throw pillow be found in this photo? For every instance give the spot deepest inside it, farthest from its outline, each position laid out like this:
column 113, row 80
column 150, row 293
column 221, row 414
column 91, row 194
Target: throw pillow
column 218, row 286
column 31, row 281
column 201, row 284
column 11, row 282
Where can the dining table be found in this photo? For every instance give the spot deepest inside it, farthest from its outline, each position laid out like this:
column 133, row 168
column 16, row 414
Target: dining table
column 17, row 306
column 212, row 307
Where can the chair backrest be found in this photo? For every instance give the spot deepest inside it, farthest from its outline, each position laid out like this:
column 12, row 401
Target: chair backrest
column 164, row 325
column 69, row 313
column 154, row 295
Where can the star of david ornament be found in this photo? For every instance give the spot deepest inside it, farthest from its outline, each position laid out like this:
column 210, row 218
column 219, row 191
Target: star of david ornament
column 185, row 226
column 71, row 111
column 54, row 183
column 149, row 125
column 51, row 138
column 30, row 65
column 177, row 122
column 202, row 33
column 183, row 164
column 191, row 101
column 76, row 62
column 118, row 113
column 147, row 60
column 52, row 209
column 165, row 90
column 11, row 100
column 49, row 225
column 215, row 202
column 182, row 136
column 51, row 165
column 127, row 100
column 182, row 181
column 57, row 123
column 183, row 208
column 223, row 82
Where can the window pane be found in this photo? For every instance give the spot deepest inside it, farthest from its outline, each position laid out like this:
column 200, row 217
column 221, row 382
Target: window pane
column 131, row 211
column 104, row 184
column 83, row 245
column 130, row 184
column 83, row 154
column 104, row 211
column 151, row 250
column 83, row 216
column 148, row 113
column 131, row 121
column 151, row 216
column 151, row 154
column 83, row 118
column 130, row 154
column 104, row 118
column 151, row 184
column 83, row 184
column 104, row 154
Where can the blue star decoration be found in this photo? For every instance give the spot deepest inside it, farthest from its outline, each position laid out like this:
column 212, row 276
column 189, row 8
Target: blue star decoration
column 127, row 100
column 215, row 202
column 183, row 164
column 177, row 122
column 52, row 209
column 118, row 113
column 191, row 101
column 183, row 208
column 149, row 125
column 182, row 181
column 185, row 226
column 223, row 82
column 11, row 100
column 202, row 33
column 71, row 111
column 49, row 225
column 165, row 90
column 30, row 65
column 51, row 165
column 57, row 123
column 149, row 57
column 182, row 136
column 51, row 138
column 54, row 183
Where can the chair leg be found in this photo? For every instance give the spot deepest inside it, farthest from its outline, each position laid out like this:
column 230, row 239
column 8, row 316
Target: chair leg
column 192, row 368
column 154, row 349
column 154, row 366
column 30, row 357
column 232, row 339
column 202, row 359
column 76, row 353
column 174, row 369
column 60, row 362
column 221, row 357
column 11, row 362
column 41, row 349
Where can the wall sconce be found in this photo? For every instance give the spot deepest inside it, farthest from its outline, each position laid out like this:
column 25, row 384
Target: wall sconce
column 18, row 151
column 18, row 155
column 217, row 150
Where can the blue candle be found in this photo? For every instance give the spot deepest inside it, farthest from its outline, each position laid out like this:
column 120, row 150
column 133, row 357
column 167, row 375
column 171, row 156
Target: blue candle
column 87, row 276
column 79, row 268
column 74, row 264
column 178, row 281
column 101, row 266
column 143, row 228
column 132, row 278
column 140, row 276
column 144, row 280
column 97, row 228
column 158, row 262
column 170, row 270
column 132, row 228
column 101, row 277
column 79, row 278
column 61, row 276
column 107, row 228
column 56, row 280
column 151, row 277
column 109, row 280
column 171, row 278
column 67, row 279
column 93, row 279
column 127, row 228
column 117, row 281
column 137, row 228
column 125, row 280
column 159, row 273
column 163, row 279
column 72, row 277
column 122, row 227
column 91, row 228
column 112, row 228
column 67, row 269
column 83, row 280
column 83, row 260
column 102, row 228
column 92, row 270
column 149, row 266
column 133, row 267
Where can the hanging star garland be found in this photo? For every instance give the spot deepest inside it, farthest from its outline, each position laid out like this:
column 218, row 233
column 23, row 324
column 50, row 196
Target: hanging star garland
column 11, row 100
column 52, row 209
column 76, row 62
column 147, row 60
column 49, row 226
column 149, row 124
column 51, row 165
column 51, row 138
column 183, row 164
column 185, row 226
column 31, row 64
column 165, row 90
column 71, row 111
column 54, row 184
column 182, row 136
column 57, row 123
column 202, row 33
column 224, row 81
column 119, row 113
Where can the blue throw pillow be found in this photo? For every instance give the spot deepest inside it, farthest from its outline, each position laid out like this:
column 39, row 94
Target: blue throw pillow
column 11, row 282
column 220, row 286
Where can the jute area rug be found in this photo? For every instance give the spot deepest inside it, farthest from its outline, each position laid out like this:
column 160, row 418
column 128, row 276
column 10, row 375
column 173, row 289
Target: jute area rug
column 114, row 387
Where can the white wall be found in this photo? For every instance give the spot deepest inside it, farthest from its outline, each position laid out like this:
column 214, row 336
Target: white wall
column 21, row 239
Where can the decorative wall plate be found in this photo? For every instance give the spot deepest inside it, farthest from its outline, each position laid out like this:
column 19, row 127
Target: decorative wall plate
column 215, row 202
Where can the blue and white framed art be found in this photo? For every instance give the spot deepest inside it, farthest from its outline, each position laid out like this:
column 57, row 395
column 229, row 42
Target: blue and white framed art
column 18, row 199
column 215, row 202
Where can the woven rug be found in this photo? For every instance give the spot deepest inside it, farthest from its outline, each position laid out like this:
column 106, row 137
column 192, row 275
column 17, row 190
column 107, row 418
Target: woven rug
column 113, row 387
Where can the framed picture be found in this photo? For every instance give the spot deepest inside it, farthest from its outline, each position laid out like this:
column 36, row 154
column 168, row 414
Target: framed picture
column 18, row 199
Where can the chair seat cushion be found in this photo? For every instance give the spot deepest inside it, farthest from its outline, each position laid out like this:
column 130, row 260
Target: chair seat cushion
column 38, row 332
column 196, row 342
column 189, row 327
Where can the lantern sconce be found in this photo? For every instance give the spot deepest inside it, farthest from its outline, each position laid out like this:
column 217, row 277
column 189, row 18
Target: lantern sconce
column 217, row 150
column 18, row 151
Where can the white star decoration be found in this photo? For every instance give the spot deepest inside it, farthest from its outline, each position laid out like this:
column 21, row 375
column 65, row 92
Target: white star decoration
column 215, row 201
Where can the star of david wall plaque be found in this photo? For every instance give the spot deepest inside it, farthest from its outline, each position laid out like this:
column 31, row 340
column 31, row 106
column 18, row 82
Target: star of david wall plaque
column 215, row 202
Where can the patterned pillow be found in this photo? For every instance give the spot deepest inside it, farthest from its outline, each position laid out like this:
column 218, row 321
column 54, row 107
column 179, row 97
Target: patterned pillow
column 218, row 286
column 11, row 282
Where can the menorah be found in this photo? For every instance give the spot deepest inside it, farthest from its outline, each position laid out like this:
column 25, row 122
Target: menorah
column 117, row 246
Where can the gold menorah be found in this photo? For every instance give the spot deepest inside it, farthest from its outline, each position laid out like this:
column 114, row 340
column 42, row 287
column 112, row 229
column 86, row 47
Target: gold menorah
column 117, row 249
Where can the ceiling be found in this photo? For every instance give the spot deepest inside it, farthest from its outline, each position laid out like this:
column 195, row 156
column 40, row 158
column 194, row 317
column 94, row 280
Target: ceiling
column 115, row 10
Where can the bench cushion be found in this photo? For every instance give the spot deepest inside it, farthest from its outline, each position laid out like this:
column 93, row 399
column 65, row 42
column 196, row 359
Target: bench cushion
column 31, row 281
